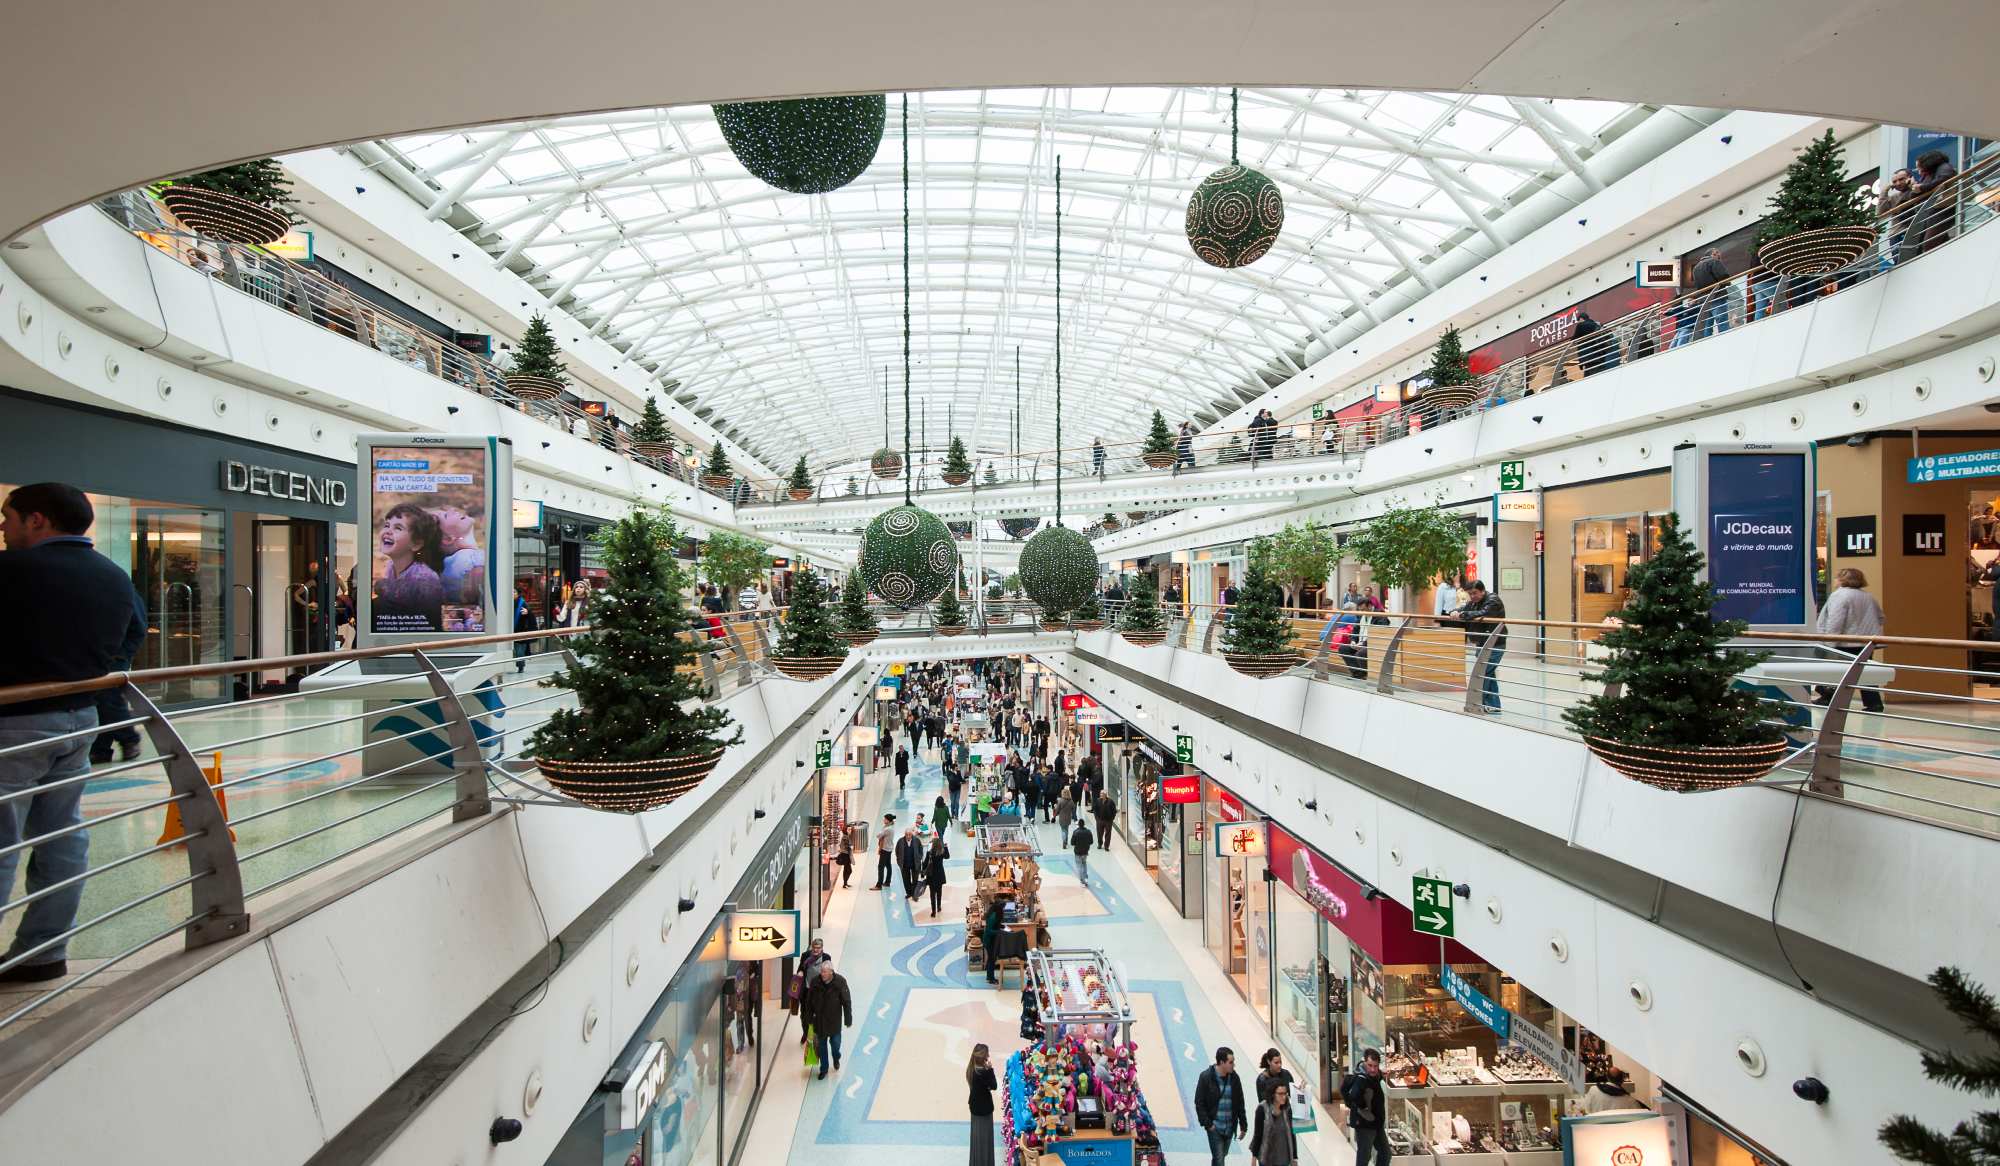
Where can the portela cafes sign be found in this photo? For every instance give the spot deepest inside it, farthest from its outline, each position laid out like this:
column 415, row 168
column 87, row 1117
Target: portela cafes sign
column 290, row 485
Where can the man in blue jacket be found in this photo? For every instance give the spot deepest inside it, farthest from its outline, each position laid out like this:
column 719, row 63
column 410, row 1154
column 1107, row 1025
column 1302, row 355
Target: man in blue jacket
column 71, row 613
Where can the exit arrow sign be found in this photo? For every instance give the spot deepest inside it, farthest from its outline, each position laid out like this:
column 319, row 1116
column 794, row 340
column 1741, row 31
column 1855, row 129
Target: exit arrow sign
column 1431, row 906
column 822, row 753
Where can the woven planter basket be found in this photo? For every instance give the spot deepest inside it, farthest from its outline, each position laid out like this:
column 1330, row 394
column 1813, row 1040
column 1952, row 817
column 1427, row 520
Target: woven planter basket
column 1054, row 625
column 956, row 478
column 224, row 216
column 716, row 481
column 1088, row 625
column 1690, row 770
column 664, row 450
column 806, row 667
column 1450, row 396
column 859, row 639
column 1263, row 666
column 1135, row 516
column 1158, row 461
column 1142, row 639
column 799, row 495
column 1816, row 252
column 950, row 629
column 629, row 787
column 534, row 388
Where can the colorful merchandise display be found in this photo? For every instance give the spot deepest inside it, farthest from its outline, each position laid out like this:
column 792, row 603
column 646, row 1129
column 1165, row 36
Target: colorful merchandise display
column 1077, row 1088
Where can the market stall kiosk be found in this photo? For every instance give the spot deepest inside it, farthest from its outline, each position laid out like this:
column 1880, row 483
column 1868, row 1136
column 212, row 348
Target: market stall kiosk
column 1073, row 1096
column 1006, row 868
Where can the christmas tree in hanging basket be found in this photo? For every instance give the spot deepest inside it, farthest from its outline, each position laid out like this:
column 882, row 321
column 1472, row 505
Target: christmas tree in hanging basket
column 640, row 736
column 886, row 463
column 799, row 487
column 809, row 646
column 1159, row 448
column 538, row 373
column 1258, row 639
column 1110, row 522
column 1818, row 220
column 857, row 623
column 715, row 472
column 957, row 466
column 650, row 437
column 1672, row 714
column 1088, row 616
column 1142, row 623
column 247, row 203
column 949, row 615
column 1452, row 384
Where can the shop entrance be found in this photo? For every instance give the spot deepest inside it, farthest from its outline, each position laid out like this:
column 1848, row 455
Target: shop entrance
column 291, row 601
column 178, row 567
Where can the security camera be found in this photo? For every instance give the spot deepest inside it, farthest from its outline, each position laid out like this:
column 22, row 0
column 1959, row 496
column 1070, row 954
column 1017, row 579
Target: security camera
column 1463, row 890
column 503, row 1129
column 1811, row 1089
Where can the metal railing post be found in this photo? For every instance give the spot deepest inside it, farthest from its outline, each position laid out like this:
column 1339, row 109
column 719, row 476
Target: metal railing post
column 217, row 890
column 1825, row 777
column 1177, row 630
column 737, row 645
column 469, row 765
column 1384, row 678
column 710, row 678
column 1208, row 633
column 1475, row 684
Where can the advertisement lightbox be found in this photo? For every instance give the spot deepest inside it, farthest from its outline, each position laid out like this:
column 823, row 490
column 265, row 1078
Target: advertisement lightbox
column 438, row 529
column 1749, row 508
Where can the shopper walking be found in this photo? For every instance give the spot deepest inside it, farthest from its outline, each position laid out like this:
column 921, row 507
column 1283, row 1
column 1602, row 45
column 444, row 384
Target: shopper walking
column 989, row 937
column 1097, row 456
column 1271, row 1073
column 1065, row 811
column 940, row 816
column 70, row 616
column 1710, row 310
column 980, row 1084
column 1272, row 1142
column 1219, row 1107
column 1366, row 1107
column 845, row 860
column 1184, row 446
column 1850, row 611
column 910, row 861
column 954, row 780
column 1104, row 810
column 902, row 768
column 1482, row 614
column 934, row 862
column 1079, row 845
column 829, row 1007
column 885, row 843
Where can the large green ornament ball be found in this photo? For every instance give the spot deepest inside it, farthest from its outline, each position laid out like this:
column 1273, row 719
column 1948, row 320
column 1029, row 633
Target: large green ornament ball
column 907, row 556
column 807, row 145
column 1234, row 217
column 1058, row 569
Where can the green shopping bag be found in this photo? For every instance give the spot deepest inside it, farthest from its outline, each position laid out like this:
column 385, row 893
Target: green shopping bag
column 1304, row 1119
column 812, row 1049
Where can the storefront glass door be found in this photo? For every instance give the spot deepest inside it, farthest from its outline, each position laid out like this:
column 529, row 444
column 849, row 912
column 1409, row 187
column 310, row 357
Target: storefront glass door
column 292, row 603
column 178, row 567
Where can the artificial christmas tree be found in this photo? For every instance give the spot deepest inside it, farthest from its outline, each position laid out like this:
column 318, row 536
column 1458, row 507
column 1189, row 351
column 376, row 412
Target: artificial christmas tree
column 1452, row 384
column 857, row 623
column 809, row 647
column 538, row 373
column 640, row 736
column 715, row 473
column 1142, row 622
column 1258, row 640
column 799, row 486
column 246, row 203
column 1818, row 221
column 1970, row 1143
column 1159, row 449
column 650, row 437
column 1678, row 721
column 957, row 466
column 1087, row 617
column 950, row 614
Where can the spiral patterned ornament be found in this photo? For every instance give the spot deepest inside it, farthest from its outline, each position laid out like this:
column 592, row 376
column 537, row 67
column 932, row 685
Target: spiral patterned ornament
column 1234, row 217
column 807, row 145
column 1058, row 569
column 907, row 556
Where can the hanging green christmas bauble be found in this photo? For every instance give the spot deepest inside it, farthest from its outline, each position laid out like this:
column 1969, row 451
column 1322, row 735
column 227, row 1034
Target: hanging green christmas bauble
column 1058, row 569
column 1234, row 217
column 1019, row 527
column 907, row 556
column 807, row 145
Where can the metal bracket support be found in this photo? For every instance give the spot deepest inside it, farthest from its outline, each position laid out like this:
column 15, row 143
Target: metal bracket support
column 218, row 909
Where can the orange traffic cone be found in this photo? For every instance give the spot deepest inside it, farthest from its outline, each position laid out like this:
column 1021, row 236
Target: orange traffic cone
column 174, row 828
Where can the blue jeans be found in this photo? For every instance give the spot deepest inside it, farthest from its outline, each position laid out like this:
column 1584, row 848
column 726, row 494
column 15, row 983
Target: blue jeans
column 1714, row 313
column 1375, row 1139
column 1218, row 1146
column 1489, row 694
column 1763, row 297
column 30, row 817
column 821, row 1042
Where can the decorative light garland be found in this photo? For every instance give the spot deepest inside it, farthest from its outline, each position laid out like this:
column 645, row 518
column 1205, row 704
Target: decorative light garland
column 806, row 145
column 1234, row 216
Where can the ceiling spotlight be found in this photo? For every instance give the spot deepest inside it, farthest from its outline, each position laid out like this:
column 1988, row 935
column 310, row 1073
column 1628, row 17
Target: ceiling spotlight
column 1311, row 804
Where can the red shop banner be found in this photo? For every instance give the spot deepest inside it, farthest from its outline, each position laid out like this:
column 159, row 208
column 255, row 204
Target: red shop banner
column 1381, row 926
column 1075, row 700
column 1181, row 790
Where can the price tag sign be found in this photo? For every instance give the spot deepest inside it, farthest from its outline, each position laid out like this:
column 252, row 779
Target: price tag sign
column 1431, row 906
column 1184, row 748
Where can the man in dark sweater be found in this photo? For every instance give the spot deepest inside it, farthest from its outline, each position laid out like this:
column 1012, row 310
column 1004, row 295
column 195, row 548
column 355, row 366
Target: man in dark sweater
column 72, row 615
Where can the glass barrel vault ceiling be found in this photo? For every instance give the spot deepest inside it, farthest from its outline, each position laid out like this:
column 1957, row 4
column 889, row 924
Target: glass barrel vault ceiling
column 775, row 314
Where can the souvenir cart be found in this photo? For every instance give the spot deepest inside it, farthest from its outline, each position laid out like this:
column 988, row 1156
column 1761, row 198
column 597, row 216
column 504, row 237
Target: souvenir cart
column 1006, row 867
column 1073, row 1096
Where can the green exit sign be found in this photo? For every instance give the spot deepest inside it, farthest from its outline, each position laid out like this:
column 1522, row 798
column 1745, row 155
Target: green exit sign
column 1513, row 476
column 1319, row 412
column 1431, row 906
column 823, row 754
column 1184, row 749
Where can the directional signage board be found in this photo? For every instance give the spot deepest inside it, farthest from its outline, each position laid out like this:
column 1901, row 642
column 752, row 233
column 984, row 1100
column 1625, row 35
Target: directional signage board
column 1481, row 1006
column 1431, row 906
column 842, row 779
column 822, row 753
column 1979, row 463
column 1184, row 749
column 1513, row 476
column 763, row 935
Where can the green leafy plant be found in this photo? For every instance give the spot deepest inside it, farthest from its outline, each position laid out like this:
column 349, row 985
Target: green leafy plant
column 537, row 354
column 1970, row 1143
column 801, row 478
column 717, row 465
column 955, row 459
column 1012, row 583
column 1087, row 610
column 1409, row 546
column 854, row 613
column 1814, row 195
column 1668, row 655
column 808, row 630
column 1159, row 439
column 1449, row 363
column 995, row 591
column 1256, row 625
column 261, row 181
column 652, row 424
column 638, row 692
column 733, row 560
column 1142, row 607
column 1300, row 556
column 950, row 612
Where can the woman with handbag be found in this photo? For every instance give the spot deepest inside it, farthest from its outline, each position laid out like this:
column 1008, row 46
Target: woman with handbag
column 1272, row 1142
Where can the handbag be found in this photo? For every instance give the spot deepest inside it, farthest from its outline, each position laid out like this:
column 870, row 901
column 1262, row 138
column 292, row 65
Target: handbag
column 812, row 1049
column 1304, row 1119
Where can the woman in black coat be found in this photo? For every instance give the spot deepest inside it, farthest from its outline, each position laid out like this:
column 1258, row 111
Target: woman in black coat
column 934, row 872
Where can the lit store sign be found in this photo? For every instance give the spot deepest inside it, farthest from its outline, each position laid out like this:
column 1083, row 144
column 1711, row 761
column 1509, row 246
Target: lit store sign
column 290, row 485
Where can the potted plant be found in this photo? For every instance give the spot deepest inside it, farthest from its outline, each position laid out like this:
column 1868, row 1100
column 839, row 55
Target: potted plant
column 538, row 373
column 640, row 736
column 1052, row 621
column 1409, row 546
column 857, row 623
column 1452, row 385
column 886, row 463
column 650, row 438
column 1258, row 640
column 1110, row 522
column 716, row 473
column 957, row 466
column 1302, row 555
column 246, row 203
column 1088, row 616
column 1671, row 714
column 799, row 487
column 733, row 561
column 1142, row 623
column 1134, row 517
column 1158, row 451
column 809, row 647
column 1817, row 220
column 950, row 614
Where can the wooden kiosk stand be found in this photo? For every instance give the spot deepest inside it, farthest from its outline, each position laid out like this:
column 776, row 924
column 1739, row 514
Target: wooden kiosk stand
column 1006, row 866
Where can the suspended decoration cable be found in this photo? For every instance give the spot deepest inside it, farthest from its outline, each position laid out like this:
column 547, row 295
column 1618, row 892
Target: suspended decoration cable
column 907, row 553
column 1018, row 528
column 1058, row 567
column 1234, row 216
column 886, row 462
